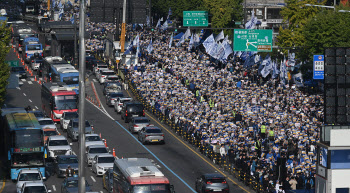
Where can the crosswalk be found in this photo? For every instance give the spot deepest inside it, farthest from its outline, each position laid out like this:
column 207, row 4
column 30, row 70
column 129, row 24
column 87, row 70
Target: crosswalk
column 29, row 81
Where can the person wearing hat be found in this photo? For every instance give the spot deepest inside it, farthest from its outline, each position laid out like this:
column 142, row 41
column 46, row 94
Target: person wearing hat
column 69, row 171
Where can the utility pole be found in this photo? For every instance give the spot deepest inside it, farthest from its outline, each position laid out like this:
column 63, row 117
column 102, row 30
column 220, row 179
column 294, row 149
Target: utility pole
column 245, row 12
column 81, row 181
column 150, row 10
column 122, row 36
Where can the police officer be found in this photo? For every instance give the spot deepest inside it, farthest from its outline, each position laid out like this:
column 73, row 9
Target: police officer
column 263, row 131
column 271, row 135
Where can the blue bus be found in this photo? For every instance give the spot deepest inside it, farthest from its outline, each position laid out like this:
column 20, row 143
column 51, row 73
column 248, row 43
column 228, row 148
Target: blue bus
column 31, row 46
column 67, row 74
column 23, row 139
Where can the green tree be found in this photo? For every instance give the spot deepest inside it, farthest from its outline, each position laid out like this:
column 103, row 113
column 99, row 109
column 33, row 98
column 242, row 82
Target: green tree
column 327, row 29
column 5, row 36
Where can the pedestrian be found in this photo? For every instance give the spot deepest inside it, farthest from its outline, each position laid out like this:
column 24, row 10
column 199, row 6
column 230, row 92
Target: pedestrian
column 69, row 172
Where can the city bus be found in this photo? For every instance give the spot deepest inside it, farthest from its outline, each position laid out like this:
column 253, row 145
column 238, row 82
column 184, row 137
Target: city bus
column 22, row 136
column 22, row 34
column 31, row 46
column 47, row 64
column 66, row 74
column 57, row 98
column 136, row 175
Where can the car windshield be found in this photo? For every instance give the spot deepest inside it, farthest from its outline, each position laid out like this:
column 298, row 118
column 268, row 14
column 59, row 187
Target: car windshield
column 39, row 114
column 34, row 189
column 50, row 133
column 98, row 150
column 67, row 102
column 46, row 122
column 72, row 183
column 71, row 80
column 105, row 159
column 71, row 115
column 29, row 138
column 125, row 100
column 135, row 108
column 92, row 138
column 153, row 188
column 116, row 95
column 102, row 66
column 76, row 124
column 216, row 180
column 67, row 160
column 141, row 121
column 153, row 131
column 34, row 47
column 108, row 73
column 58, row 142
column 27, row 159
column 29, row 177
column 17, row 69
column 112, row 78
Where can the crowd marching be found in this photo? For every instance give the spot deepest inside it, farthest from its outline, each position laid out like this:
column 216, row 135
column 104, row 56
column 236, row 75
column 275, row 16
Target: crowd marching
column 264, row 127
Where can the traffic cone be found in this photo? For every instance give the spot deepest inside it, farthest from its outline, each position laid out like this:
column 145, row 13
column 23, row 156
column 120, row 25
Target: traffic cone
column 39, row 81
column 100, row 135
column 35, row 79
column 114, row 152
column 106, row 143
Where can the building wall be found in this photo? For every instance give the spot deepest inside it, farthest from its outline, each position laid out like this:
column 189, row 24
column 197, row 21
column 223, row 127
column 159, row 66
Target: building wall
column 340, row 179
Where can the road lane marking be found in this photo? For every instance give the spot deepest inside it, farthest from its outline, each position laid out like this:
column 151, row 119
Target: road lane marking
column 30, row 82
column 94, row 80
column 203, row 158
column 54, row 188
column 18, row 88
column 101, row 191
column 93, row 179
column 183, row 181
column 23, row 80
column 24, row 94
column 32, row 79
column 30, row 101
column 104, row 112
column 36, row 107
column 74, row 153
column 20, row 82
column 3, row 185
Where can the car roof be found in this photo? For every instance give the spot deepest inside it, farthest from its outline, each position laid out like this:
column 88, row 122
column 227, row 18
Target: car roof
column 72, row 178
column 27, row 171
column 96, row 146
column 152, row 127
column 213, row 175
column 49, row 129
column 77, row 120
column 44, row 119
column 140, row 118
column 104, row 155
column 57, row 137
column 34, row 184
column 67, row 156
column 133, row 103
column 94, row 134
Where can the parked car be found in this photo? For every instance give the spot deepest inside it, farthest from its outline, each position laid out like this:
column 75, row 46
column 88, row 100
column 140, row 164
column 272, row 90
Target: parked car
column 63, row 161
column 47, row 123
column 137, row 123
column 65, row 119
column 34, row 187
column 112, row 97
column 93, row 150
column 107, row 180
column 20, row 71
column 70, row 185
column 49, row 132
column 73, row 129
column 101, row 163
column 93, row 139
column 132, row 109
column 28, row 175
column 119, row 103
column 151, row 134
column 112, row 87
column 212, row 182
column 58, row 145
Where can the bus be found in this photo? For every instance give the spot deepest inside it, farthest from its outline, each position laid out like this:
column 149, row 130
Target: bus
column 22, row 34
column 136, row 175
column 66, row 74
column 31, row 46
column 22, row 136
column 48, row 62
column 57, row 98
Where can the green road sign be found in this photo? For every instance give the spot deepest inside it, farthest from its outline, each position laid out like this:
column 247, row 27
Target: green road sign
column 259, row 40
column 195, row 18
column 12, row 63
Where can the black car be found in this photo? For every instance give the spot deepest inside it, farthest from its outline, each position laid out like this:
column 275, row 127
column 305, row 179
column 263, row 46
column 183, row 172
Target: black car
column 62, row 162
column 107, row 180
column 20, row 71
column 212, row 182
column 132, row 109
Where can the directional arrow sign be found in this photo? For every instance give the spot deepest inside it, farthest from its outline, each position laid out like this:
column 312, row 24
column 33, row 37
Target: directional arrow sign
column 252, row 40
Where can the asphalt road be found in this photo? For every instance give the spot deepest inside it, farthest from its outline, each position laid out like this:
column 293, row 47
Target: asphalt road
column 179, row 161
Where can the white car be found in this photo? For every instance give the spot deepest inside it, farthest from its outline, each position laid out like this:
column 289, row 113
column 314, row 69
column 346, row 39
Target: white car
column 118, row 104
column 98, row 73
column 47, row 123
column 28, row 175
column 93, row 150
column 58, row 145
column 99, row 66
column 105, row 74
column 37, row 187
column 66, row 117
column 102, row 163
column 92, row 139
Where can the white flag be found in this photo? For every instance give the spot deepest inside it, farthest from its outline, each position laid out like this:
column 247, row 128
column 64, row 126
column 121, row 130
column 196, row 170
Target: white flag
column 220, row 36
column 187, row 34
column 208, row 43
column 251, row 24
column 190, row 45
column 171, row 40
column 150, row 47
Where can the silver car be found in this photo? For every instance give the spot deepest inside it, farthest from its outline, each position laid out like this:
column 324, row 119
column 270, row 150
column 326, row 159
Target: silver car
column 47, row 123
column 94, row 150
column 102, row 163
column 73, row 129
column 92, row 139
column 112, row 97
column 137, row 123
column 151, row 134
column 65, row 119
column 28, row 175
column 118, row 105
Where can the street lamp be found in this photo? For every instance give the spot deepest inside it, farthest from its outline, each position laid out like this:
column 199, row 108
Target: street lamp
column 323, row 6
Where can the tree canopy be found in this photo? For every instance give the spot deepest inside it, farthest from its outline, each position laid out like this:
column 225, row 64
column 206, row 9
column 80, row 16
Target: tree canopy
column 5, row 36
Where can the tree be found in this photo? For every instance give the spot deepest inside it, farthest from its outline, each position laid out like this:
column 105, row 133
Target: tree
column 5, row 35
column 327, row 29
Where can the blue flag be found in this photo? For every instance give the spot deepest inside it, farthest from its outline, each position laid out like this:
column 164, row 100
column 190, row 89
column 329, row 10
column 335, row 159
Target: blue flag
column 69, row 3
column 267, row 66
column 72, row 19
column 150, row 47
column 171, row 40
column 208, row 43
column 249, row 62
column 275, row 71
